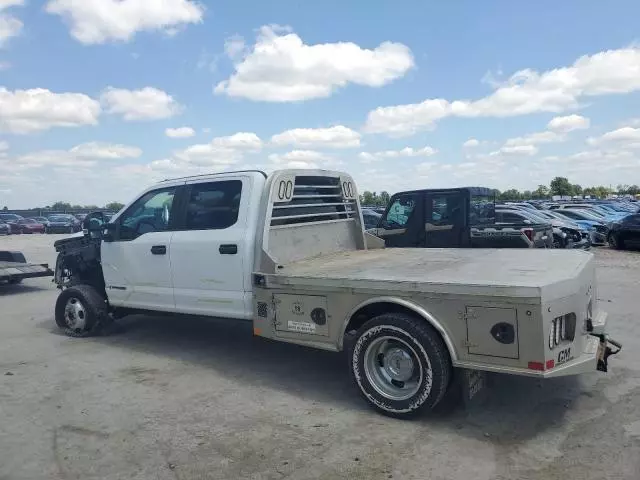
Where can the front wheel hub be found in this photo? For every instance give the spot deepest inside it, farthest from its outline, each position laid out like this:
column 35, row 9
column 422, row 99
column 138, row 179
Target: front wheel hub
column 75, row 314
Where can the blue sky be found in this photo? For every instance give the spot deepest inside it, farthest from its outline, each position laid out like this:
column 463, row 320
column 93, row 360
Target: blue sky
column 389, row 91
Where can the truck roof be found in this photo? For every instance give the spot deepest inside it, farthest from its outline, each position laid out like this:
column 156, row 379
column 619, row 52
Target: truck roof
column 214, row 173
column 478, row 191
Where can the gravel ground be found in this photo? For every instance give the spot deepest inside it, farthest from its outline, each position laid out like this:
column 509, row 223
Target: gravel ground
column 175, row 398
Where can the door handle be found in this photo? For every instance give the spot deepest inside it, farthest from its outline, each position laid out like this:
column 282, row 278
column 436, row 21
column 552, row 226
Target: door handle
column 231, row 249
column 159, row 250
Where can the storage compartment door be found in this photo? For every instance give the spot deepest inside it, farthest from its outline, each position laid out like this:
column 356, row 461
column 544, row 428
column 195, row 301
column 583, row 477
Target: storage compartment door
column 492, row 332
column 306, row 314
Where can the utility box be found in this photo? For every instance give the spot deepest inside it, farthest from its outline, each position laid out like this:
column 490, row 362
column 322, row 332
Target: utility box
column 492, row 332
column 305, row 314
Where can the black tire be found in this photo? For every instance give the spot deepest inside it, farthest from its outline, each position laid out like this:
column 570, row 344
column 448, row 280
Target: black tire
column 615, row 241
column 432, row 378
column 93, row 304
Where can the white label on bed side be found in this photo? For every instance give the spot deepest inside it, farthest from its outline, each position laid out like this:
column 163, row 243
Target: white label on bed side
column 302, row 327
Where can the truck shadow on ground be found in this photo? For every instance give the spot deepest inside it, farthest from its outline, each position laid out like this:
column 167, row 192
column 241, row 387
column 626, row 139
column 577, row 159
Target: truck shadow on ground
column 231, row 350
column 18, row 289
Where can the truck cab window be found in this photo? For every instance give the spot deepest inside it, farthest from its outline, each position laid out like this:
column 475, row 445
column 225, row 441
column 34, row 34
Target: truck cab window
column 150, row 213
column 400, row 212
column 214, row 205
column 446, row 210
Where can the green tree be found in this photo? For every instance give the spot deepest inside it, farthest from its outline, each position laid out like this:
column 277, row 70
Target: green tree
column 368, row 198
column 561, row 186
column 384, row 198
column 633, row 190
column 114, row 206
column 577, row 189
column 61, row 206
column 5, row 208
column 511, row 194
column 541, row 192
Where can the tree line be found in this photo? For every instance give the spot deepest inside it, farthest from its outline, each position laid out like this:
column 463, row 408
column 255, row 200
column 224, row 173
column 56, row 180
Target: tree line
column 68, row 207
column 558, row 186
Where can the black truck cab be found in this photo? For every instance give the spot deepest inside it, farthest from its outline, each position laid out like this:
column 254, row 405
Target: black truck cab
column 454, row 218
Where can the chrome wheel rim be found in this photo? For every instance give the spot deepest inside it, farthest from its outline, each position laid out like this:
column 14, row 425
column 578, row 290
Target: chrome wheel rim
column 75, row 314
column 393, row 368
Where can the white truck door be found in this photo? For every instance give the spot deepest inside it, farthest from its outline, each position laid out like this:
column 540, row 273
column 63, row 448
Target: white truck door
column 135, row 262
column 211, row 250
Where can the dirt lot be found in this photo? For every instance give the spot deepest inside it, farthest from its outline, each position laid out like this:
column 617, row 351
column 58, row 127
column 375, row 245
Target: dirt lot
column 175, row 398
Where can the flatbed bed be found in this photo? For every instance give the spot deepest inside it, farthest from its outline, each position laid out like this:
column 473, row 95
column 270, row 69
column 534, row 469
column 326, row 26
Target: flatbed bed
column 14, row 268
column 528, row 275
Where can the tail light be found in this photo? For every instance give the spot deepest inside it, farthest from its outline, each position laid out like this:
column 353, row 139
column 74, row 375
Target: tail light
column 562, row 329
column 529, row 233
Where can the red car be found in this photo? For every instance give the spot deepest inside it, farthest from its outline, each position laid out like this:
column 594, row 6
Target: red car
column 29, row 225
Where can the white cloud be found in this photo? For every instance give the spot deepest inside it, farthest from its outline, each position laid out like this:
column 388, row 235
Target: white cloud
column 625, row 137
column 281, row 68
column 25, row 111
column 10, row 26
column 471, row 143
column 240, row 140
column 220, row 151
column 83, row 155
column 527, row 150
column 335, row 137
column 180, row 132
column 535, row 139
column 10, row 3
column 148, row 103
column 234, row 46
column 101, row 21
column 301, row 159
column 525, row 92
column 568, row 123
column 407, row 152
column 4, row 145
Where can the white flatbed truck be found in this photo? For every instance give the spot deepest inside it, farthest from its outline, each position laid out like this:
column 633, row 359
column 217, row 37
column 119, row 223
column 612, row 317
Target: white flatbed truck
column 288, row 252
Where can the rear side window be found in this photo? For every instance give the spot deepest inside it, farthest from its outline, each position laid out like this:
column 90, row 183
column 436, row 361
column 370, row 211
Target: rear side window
column 214, row 205
column 446, row 209
column 508, row 217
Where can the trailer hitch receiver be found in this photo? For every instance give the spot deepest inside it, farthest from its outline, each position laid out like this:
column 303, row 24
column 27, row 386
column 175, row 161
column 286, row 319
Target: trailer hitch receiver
column 605, row 350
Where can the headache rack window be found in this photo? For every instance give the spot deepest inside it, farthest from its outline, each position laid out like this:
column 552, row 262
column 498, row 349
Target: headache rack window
column 315, row 199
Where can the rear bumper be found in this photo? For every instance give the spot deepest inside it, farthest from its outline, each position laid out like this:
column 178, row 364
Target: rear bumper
column 598, row 346
column 583, row 244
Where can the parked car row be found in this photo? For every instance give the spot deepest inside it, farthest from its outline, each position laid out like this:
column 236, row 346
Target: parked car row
column 616, row 222
column 13, row 224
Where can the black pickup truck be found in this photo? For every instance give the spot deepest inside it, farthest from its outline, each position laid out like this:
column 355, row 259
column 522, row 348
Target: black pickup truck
column 455, row 218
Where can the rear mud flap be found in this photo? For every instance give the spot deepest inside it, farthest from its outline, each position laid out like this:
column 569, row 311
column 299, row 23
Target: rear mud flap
column 605, row 351
column 472, row 386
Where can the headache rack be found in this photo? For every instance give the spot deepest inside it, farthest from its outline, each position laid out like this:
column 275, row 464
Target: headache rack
column 313, row 199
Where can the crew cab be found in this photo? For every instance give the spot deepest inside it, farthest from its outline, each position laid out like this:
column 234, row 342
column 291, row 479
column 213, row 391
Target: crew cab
column 288, row 252
column 456, row 218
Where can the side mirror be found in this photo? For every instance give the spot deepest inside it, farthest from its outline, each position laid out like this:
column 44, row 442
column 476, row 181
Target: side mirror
column 89, row 222
column 108, row 230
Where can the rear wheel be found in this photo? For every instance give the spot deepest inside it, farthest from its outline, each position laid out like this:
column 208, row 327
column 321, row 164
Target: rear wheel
column 400, row 364
column 615, row 241
column 81, row 311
